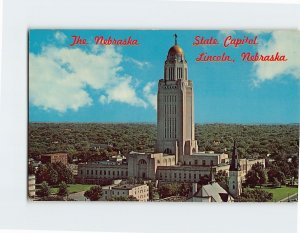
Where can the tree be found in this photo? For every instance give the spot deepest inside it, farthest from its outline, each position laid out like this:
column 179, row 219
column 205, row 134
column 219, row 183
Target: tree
column 276, row 183
column 54, row 174
column 44, row 191
column 254, row 195
column 276, row 173
column 31, row 169
column 42, row 174
column 63, row 189
column 256, row 176
column 252, row 178
column 167, row 190
column 94, row 194
column 151, row 190
column 184, row 189
column 52, row 178
column 204, row 180
column 64, row 173
column 221, row 176
column 174, row 189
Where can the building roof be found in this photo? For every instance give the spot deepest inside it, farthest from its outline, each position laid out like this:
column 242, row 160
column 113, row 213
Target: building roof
column 127, row 186
column 235, row 164
column 185, row 167
column 213, row 190
column 208, row 153
column 175, row 50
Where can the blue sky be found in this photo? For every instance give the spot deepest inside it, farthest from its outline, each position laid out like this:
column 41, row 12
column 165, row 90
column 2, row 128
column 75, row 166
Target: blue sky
column 96, row 83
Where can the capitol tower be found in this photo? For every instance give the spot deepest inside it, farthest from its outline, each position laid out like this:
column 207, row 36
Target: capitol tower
column 175, row 108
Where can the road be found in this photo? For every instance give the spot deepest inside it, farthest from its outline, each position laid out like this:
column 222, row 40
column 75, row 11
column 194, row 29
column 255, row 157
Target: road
column 291, row 198
column 78, row 196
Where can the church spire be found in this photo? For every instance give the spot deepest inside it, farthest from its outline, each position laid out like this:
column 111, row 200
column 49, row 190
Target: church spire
column 175, row 37
column 234, row 165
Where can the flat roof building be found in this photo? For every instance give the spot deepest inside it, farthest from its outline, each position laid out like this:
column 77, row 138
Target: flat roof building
column 55, row 158
column 138, row 191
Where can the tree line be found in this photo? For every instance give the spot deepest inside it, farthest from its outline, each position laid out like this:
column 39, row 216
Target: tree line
column 78, row 139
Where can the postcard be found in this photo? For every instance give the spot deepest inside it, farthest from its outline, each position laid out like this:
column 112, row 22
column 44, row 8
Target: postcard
column 163, row 115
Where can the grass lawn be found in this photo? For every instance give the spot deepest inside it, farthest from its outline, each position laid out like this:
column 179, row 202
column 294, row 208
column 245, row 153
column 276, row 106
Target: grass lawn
column 282, row 192
column 74, row 188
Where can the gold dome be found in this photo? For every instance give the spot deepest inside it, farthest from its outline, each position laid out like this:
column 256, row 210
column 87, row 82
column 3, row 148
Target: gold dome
column 175, row 50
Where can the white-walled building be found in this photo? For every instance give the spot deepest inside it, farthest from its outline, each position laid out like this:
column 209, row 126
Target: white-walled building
column 139, row 191
column 31, row 186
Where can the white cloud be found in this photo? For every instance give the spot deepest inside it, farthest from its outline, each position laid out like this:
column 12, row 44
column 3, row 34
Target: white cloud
column 124, row 93
column 58, row 78
column 139, row 64
column 60, row 36
column 103, row 99
column 151, row 98
column 286, row 43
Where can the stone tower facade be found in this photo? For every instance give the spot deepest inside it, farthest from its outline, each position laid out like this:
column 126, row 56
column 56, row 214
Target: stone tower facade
column 175, row 108
column 235, row 174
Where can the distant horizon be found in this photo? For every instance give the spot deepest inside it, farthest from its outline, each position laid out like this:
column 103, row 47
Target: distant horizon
column 154, row 123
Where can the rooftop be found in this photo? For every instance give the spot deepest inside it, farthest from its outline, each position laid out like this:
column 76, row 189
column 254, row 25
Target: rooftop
column 208, row 153
column 127, row 186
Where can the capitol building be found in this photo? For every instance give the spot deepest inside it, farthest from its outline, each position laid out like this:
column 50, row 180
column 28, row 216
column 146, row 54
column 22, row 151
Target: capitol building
column 176, row 157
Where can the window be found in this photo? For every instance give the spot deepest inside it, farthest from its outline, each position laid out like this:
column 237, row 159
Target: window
column 121, row 173
column 104, row 172
column 196, row 162
column 190, row 175
column 211, row 162
column 81, row 172
column 203, row 162
column 87, row 172
column 100, row 172
column 175, row 175
column 195, row 177
column 142, row 162
column 96, row 172
column 190, row 163
column 113, row 173
column 109, row 173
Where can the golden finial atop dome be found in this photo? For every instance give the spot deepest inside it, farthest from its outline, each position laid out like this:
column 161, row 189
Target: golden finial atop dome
column 175, row 50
